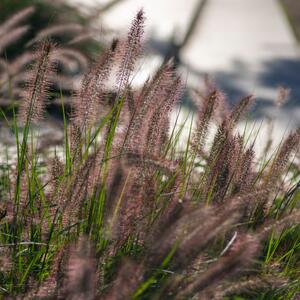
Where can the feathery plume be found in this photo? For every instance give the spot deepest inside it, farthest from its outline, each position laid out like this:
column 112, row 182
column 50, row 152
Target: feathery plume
column 151, row 98
column 242, row 251
column 205, row 114
column 253, row 283
column 277, row 225
column 116, row 183
column 217, row 170
column 198, row 238
column 15, row 20
column 74, row 55
column 14, row 35
column 240, row 109
column 132, row 207
column 75, row 142
column 87, row 100
column 281, row 160
column 131, row 50
column 128, row 278
column 159, row 121
column 55, row 31
column 35, row 94
column 165, row 166
column 75, row 191
column 243, row 177
column 191, row 237
column 20, row 63
column 56, row 169
column 80, row 282
column 81, row 37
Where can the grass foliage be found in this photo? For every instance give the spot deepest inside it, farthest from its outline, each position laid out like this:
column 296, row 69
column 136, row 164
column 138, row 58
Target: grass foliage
column 125, row 213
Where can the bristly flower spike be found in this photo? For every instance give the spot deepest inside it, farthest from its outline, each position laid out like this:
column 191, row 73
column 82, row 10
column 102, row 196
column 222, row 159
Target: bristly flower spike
column 131, row 50
column 35, row 94
column 87, row 100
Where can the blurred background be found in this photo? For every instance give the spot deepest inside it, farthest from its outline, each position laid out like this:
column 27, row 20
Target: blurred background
column 246, row 47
